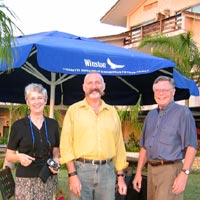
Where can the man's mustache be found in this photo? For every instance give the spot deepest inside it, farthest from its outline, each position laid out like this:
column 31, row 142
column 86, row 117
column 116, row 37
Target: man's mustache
column 96, row 90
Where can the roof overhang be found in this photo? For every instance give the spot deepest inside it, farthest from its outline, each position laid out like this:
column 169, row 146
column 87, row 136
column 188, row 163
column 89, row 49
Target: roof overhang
column 191, row 15
column 117, row 15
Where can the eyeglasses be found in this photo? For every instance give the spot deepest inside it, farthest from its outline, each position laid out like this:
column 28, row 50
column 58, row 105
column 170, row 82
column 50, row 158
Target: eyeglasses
column 162, row 90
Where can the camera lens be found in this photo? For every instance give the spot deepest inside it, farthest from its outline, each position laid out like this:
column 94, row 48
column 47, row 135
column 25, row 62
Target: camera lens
column 51, row 163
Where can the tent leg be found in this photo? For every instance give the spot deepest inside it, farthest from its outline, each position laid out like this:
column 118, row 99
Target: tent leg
column 52, row 95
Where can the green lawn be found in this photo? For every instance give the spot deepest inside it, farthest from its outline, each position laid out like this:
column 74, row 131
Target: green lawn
column 193, row 187
column 192, row 191
column 63, row 180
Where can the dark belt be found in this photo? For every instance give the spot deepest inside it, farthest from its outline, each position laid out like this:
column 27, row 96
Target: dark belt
column 94, row 162
column 155, row 163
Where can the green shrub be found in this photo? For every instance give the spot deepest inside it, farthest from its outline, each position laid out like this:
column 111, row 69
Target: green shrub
column 3, row 140
column 133, row 144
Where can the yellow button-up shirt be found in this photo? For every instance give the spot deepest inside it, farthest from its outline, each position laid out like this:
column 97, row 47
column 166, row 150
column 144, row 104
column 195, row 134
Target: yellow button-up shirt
column 90, row 136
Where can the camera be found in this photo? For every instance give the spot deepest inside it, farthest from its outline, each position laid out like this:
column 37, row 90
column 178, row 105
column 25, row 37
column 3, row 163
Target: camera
column 53, row 164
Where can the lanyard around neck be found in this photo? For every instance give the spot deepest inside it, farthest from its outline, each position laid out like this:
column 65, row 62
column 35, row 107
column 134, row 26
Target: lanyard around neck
column 33, row 134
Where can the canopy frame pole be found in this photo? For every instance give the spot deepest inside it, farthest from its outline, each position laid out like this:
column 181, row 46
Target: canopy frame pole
column 52, row 95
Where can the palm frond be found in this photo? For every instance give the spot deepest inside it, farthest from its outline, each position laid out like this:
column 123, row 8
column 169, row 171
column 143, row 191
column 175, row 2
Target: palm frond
column 7, row 27
column 181, row 49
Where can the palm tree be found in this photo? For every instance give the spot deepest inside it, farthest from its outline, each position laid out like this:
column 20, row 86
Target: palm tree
column 7, row 27
column 181, row 49
column 6, row 39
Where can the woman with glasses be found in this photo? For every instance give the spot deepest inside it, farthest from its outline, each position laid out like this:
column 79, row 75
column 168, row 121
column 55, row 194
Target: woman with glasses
column 33, row 140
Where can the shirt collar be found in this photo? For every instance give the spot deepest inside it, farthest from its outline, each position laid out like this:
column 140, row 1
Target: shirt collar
column 85, row 104
column 167, row 107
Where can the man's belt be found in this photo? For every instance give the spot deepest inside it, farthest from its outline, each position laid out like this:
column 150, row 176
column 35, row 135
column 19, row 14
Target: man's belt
column 155, row 163
column 94, row 162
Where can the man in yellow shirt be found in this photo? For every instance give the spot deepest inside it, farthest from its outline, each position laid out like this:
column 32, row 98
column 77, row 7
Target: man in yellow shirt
column 92, row 145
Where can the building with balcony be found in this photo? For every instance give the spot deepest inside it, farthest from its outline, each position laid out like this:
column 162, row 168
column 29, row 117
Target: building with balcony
column 144, row 18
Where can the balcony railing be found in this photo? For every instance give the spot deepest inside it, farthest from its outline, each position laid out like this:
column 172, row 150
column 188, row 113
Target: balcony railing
column 163, row 26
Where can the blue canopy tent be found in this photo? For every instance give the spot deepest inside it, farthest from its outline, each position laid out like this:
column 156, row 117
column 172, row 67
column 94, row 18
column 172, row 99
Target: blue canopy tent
column 60, row 60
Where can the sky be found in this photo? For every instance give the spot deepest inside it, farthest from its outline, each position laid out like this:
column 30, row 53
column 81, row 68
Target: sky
column 78, row 17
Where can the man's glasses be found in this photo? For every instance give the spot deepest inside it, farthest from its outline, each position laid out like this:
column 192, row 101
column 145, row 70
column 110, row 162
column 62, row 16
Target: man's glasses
column 162, row 90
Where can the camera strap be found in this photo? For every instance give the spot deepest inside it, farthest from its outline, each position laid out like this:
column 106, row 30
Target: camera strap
column 33, row 134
